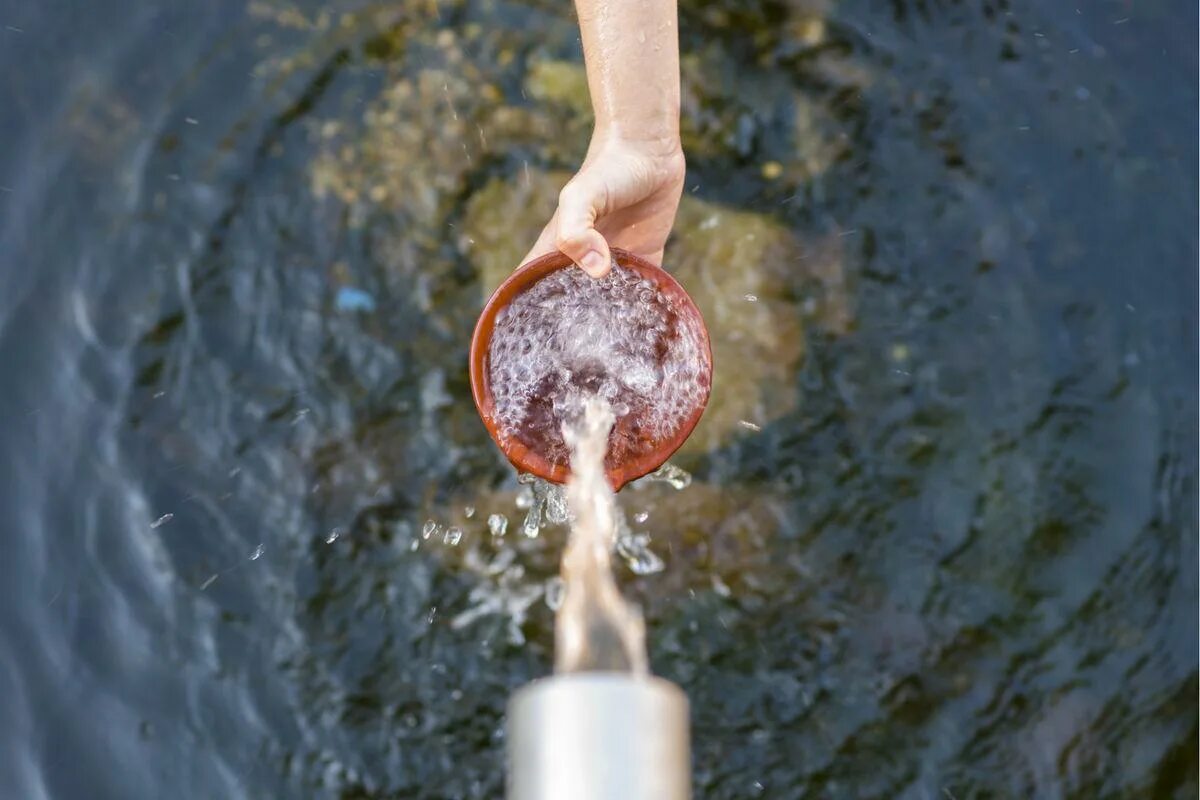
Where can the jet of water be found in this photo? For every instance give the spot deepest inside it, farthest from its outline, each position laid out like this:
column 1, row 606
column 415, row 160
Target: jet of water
column 595, row 628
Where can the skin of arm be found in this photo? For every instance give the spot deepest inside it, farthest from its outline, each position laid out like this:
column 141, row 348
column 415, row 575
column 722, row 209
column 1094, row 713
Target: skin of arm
column 627, row 191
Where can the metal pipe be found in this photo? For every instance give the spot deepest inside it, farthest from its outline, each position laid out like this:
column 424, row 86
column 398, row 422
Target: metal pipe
column 599, row 736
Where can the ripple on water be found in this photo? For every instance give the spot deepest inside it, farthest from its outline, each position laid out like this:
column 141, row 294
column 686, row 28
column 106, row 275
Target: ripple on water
column 953, row 551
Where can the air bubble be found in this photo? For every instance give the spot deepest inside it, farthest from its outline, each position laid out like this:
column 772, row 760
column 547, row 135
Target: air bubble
column 613, row 331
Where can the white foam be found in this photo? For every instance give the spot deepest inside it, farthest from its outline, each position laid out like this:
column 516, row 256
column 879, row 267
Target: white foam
column 569, row 337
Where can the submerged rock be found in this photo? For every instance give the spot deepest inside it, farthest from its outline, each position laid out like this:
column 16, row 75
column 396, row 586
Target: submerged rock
column 735, row 265
column 503, row 220
column 561, row 82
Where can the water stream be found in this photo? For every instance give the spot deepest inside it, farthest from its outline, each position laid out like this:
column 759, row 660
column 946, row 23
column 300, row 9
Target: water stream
column 595, row 628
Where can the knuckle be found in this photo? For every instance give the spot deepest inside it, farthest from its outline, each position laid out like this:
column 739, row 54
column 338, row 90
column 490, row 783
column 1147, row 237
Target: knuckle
column 564, row 241
column 570, row 194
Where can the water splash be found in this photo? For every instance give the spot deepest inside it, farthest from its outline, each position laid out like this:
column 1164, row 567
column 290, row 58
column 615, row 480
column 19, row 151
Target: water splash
column 532, row 525
column 670, row 474
column 553, row 499
column 497, row 524
column 635, row 549
column 503, row 591
column 546, row 503
column 595, row 628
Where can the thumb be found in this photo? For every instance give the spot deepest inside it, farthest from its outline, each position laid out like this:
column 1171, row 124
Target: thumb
column 579, row 204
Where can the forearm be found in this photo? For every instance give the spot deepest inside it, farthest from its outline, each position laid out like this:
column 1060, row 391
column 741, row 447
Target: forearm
column 631, row 48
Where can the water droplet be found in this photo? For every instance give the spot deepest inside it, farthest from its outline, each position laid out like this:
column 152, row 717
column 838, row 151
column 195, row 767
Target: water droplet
column 635, row 549
column 751, row 298
column 333, row 536
column 430, row 529
column 453, row 536
column 555, row 591
column 533, row 521
column 554, row 504
column 645, row 563
column 530, row 527
column 429, row 617
column 258, row 551
column 163, row 520
column 497, row 524
column 524, row 498
column 469, row 511
column 641, row 516
column 670, row 474
column 745, row 423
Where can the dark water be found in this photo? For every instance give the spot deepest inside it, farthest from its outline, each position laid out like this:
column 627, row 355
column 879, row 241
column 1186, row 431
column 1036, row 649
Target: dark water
column 960, row 561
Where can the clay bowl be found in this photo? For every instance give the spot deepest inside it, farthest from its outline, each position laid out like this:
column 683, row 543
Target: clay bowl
column 645, row 454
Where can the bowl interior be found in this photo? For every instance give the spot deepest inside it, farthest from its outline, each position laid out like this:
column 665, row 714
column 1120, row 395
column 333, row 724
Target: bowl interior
column 643, row 453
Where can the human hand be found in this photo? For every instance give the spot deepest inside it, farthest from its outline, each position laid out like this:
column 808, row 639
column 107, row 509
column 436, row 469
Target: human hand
column 625, row 195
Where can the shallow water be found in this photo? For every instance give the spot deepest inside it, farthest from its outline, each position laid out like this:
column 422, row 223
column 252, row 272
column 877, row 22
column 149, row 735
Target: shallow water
column 950, row 553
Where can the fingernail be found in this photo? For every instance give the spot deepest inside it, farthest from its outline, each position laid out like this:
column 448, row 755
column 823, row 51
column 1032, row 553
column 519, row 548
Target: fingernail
column 593, row 262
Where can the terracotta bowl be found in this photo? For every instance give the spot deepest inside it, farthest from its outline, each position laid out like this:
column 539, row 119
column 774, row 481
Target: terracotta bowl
column 647, row 454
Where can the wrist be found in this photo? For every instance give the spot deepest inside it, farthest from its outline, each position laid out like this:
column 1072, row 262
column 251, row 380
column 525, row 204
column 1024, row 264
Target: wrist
column 661, row 142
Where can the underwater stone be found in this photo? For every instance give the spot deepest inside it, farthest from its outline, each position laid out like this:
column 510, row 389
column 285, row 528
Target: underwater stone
column 562, row 82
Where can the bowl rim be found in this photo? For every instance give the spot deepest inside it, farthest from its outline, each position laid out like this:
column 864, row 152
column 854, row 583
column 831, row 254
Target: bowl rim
column 522, row 457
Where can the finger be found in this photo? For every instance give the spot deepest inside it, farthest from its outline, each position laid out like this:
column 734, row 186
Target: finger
column 579, row 204
column 655, row 258
column 545, row 241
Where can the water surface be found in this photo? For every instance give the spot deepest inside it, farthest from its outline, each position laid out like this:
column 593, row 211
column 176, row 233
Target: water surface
column 942, row 536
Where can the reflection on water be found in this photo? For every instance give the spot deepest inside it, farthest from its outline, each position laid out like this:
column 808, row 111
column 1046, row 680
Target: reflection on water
column 952, row 552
